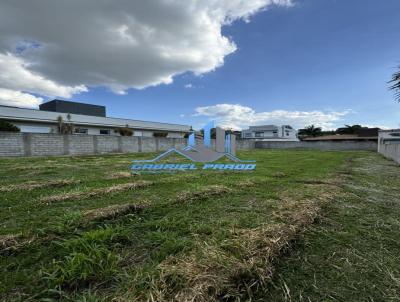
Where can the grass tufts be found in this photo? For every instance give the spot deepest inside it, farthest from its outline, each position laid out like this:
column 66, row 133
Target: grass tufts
column 96, row 192
column 32, row 185
column 119, row 175
column 279, row 175
column 204, row 193
column 87, row 259
column 113, row 211
column 233, row 270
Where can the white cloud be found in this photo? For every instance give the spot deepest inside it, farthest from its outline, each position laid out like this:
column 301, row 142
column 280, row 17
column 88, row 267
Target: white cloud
column 188, row 86
column 61, row 47
column 15, row 75
column 19, row 99
column 238, row 117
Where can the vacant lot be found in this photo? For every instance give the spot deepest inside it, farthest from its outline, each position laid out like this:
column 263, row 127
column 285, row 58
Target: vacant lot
column 84, row 229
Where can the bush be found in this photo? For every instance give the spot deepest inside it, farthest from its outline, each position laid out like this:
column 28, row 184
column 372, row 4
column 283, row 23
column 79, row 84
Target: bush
column 6, row 126
column 160, row 134
column 125, row 131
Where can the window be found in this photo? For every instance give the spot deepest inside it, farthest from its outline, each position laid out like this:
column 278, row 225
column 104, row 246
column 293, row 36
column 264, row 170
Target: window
column 81, row 131
column 287, row 133
column 247, row 135
column 35, row 129
column 259, row 134
column 104, row 132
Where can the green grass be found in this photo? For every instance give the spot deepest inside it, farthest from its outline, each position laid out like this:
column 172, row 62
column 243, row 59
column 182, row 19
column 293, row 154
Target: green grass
column 179, row 242
column 353, row 254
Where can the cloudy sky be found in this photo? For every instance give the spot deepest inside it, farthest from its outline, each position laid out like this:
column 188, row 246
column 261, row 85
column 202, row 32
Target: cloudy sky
column 239, row 62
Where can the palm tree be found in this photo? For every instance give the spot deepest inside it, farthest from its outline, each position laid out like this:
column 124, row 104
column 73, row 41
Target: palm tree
column 349, row 129
column 311, row 131
column 396, row 85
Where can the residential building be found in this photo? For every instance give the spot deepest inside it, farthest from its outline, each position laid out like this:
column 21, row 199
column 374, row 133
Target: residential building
column 86, row 119
column 271, row 132
column 389, row 137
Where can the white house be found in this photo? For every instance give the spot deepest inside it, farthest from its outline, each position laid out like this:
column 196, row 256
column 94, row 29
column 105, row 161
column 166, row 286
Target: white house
column 86, row 119
column 388, row 137
column 271, row 132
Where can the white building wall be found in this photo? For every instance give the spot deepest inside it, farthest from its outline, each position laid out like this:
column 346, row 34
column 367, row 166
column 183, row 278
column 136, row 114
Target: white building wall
column 279, row 133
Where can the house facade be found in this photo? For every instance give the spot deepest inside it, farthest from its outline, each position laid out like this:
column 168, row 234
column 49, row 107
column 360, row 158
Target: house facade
column 86, row 119
column 389, row 137
column 271, row 132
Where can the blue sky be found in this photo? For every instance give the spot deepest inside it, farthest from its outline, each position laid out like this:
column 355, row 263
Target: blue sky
column 317, row 61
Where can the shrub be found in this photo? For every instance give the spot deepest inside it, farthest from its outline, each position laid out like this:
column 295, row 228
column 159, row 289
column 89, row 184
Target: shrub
column 6, row 126
column 125, row 131
column 160, row 134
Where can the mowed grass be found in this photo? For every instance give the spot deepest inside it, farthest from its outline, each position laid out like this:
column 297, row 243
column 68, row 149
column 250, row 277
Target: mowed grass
column 191, row 236
column 353, row 253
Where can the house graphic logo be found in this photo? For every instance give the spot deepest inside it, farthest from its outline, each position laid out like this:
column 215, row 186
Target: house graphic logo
column 201, row 153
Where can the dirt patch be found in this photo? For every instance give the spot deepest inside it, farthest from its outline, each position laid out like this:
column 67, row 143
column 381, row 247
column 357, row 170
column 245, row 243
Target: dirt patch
column 32, row 185
column 96, row 192
column 206, row 192
column 114, row 211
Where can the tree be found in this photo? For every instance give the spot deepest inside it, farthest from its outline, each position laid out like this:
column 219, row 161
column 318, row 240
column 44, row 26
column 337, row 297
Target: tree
column 311, row 131
column 349, row 129
column 8, row 127
column 396, row 85
column 65, row 128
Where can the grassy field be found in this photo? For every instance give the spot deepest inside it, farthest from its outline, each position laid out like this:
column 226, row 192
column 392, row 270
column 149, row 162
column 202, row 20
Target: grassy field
column 84, row 229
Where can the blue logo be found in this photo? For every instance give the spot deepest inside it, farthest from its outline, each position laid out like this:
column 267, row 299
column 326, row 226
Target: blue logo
column 200, row 149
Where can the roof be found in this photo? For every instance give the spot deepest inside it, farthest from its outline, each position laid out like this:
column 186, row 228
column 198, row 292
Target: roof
column 262, row 127
column 73, row 107
column 33, row 115
column 340, row 137
column 391, row 130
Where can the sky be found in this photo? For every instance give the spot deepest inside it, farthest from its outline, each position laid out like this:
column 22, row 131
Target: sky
column 238, row 62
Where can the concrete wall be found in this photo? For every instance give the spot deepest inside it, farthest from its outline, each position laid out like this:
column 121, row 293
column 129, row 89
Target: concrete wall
column 391, row 151
column 326, row 145
column 40, row 144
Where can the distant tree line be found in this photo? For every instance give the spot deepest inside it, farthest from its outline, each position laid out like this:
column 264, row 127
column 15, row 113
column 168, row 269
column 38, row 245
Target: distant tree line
column 312, row 131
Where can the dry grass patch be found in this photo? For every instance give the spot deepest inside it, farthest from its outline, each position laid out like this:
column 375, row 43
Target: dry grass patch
column 279, row 175
column 32, row 185
column 206, row 192
column 97, row 192
column 246, row 184
column 118, row 175
column 14, row 242
column 114, row 211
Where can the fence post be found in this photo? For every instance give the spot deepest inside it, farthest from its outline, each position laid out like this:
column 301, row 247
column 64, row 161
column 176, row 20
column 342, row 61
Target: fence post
column 27, row 139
